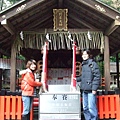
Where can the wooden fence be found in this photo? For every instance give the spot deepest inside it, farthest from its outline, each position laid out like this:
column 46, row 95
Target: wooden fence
column 11, row 107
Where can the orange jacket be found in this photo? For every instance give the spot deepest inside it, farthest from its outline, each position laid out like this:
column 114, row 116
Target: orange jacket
column 28, row 83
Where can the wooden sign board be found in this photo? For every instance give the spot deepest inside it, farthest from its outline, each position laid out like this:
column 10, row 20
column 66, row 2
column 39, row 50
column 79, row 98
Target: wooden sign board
column 60, row 19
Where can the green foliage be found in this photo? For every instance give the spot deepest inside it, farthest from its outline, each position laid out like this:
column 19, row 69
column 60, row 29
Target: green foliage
column 101, row 62
column 4, row 4
column 5, row 86
column 113, row 3
column 13, row 1
column 20, row 57
column 108, row 2
column 101, row 67
column 5, row 57
column 112, row 59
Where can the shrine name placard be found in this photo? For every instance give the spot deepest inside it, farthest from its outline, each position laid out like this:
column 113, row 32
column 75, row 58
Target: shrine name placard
column 60, row 19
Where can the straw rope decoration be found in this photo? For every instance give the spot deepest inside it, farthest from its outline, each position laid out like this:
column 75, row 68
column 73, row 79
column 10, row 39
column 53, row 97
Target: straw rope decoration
column 60, row 40
column 87, row 41
column 80, row 45
column 66, row 39
column 63, row 41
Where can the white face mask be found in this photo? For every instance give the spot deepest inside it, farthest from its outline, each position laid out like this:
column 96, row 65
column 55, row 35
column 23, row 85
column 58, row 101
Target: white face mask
column 85, row 56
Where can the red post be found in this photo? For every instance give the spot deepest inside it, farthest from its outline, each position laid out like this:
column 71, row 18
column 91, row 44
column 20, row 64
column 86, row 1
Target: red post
column 2, row 107
column 44, row 69
column 74, row 66
column 45, row 57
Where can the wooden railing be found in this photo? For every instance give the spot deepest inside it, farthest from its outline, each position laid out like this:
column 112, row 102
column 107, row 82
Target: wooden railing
column 11, row 107
column 109, row 106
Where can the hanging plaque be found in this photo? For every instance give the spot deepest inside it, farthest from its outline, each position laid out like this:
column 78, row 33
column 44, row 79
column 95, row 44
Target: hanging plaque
column 60, row 19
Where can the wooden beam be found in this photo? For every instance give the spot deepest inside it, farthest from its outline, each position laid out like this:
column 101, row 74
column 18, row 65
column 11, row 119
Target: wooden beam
column 82, row 22
column 80, row 25
column 114, row 39
column 8, row 26
column 60, row 3
column 104, row 9
column 46, row 24
column 117, row 69
column 115, row 50
column 1, row 72
column 3, row 40
column 71, row 30
column 4, row 52
column 37, row 21
column 77, row 6
column 114, row 25
column 20, row 8
column 107, row 64
column 13, row 69
column 31, row 16
column 35, row 17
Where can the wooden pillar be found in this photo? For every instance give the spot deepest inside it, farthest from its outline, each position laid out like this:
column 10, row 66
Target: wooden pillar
column 107, row 64
column 13, row 69
column 117, row 69
column 0, row 79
